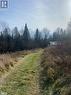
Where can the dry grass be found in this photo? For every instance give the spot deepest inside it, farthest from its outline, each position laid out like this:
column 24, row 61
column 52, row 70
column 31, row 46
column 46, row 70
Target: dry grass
column 55, row 75
column 23, row 79
column 5, row 62
column 8, row 60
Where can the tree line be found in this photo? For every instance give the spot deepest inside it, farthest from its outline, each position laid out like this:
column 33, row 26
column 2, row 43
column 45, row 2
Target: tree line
column 63, row 38
column 16, row 41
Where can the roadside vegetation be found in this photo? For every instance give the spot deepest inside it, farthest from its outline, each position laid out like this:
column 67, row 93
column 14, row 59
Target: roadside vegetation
column 55, row 75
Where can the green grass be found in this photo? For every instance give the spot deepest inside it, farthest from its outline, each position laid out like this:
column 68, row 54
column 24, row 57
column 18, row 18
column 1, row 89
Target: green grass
column 23, row 79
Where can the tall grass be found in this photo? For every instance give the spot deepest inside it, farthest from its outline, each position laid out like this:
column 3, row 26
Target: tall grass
column 55, row 75
column 8, row 60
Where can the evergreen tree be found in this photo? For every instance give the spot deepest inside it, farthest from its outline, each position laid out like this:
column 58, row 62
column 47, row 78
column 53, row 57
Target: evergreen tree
column 37, row 38
column 16, row 39
column 26, row 38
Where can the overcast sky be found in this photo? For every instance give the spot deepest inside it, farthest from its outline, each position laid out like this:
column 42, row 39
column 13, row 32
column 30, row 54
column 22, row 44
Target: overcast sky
column 37, row 13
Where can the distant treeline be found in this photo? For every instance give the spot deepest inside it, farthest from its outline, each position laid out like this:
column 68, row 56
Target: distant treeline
column 16, row 41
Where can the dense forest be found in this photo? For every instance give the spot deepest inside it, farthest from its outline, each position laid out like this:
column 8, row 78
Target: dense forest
column 15, row 41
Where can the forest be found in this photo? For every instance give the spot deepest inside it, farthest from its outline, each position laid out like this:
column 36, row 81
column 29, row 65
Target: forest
column 15, row 41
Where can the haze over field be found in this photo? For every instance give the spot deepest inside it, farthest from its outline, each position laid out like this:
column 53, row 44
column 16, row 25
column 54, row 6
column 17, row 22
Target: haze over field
column 37, row 13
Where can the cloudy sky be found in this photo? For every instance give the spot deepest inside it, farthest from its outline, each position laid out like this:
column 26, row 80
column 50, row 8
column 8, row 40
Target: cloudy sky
column 37, row 13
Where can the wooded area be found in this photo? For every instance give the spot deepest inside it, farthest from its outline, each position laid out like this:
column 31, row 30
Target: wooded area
column 15, row 41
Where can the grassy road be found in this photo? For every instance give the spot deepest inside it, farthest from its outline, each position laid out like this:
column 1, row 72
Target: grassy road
column 23, row 79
